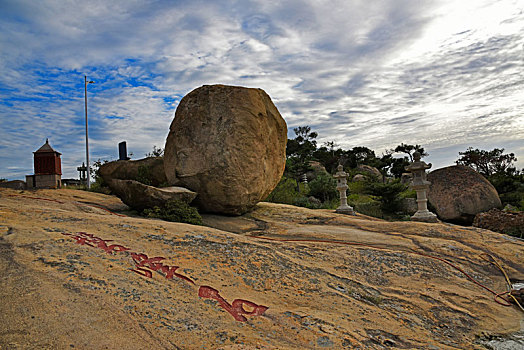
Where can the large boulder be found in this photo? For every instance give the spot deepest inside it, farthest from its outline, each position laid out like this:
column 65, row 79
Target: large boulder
column 458, row 193
column 148, row 170
column 228, row 144
column 139, row 196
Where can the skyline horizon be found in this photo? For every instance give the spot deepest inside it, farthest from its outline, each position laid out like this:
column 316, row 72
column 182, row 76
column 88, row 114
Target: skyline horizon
column 133, row 157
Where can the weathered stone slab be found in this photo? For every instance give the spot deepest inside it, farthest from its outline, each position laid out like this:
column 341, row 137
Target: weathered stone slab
column 150, row 169
column 76, row 276
column 139, row 196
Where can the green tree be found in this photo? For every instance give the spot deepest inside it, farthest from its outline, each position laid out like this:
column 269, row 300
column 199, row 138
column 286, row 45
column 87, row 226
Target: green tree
column 328, row 156
column 499, row 169
column 303, row 145
column 388, row 194
column 323, row 187
column 488, row 162
column 156, row 152
column 510, row 188
column 299, row 151
column 410, row 149
column 98, row 185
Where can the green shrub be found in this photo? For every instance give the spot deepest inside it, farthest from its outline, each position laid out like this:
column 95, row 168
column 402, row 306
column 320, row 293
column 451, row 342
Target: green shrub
column 176, row 211
column 358, row 187
column 286, row 191
column 370, row 209
column 388, row 194
column 306, row 203
column 323, row 187
column 144, row 175
column 408, row 193
column 510, row 188
column 365, row 204
column 332, row 204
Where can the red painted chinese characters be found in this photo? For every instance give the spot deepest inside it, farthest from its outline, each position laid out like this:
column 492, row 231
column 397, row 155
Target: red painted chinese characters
column 145, row 266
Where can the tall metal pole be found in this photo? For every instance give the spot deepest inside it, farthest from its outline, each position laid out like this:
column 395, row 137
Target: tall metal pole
column 87, row 139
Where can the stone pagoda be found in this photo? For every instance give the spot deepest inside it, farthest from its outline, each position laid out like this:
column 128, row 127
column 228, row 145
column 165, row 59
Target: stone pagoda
column 421, row 186
column 342, row 186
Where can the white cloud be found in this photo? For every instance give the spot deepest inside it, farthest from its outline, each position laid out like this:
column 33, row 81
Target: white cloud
column 437, row 73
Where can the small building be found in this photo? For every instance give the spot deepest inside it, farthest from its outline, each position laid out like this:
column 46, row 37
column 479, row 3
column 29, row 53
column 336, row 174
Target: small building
column 48, row 168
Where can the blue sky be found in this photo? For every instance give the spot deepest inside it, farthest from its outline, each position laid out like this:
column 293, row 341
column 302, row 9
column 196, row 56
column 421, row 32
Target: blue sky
column 443, row 74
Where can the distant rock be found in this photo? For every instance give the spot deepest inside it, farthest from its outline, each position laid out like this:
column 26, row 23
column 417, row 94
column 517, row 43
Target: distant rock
column 14, row 184
column 409, row 205
column 139, row 196
column 370, row 171
column 511, row 223
column 228, row 144
column 316, row 169
column 314, row 201
column 149, row 169
column 406, row 178
column 458, row 193
column 358, row 177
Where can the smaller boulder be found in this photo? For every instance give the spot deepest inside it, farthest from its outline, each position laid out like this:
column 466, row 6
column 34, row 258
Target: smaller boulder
column 314, row 201
column 358, row 177
column 406, row 178
column 409, row 205
column 316, row 169
column 370, row 172
column 458, row 193
column 148, row 170
column 139, row 196
column 511, row 223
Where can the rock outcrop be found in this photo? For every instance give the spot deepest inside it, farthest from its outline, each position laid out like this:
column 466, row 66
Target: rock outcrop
column 370, row 171
column 458, row 193
column 76, row 276
column 228, row 144
column 139, row 196
column 358, row 177
column 316, row 169
column 14, row 184
column 148, row 170
column 511, row 223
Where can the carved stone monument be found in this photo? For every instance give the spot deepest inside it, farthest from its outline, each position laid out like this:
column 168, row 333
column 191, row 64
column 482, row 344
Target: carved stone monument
column 421, row 185
column 342, row 186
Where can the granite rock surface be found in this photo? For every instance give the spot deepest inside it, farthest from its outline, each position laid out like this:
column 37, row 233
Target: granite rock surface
column 139, row 196
column 458, row 193
column 77, row 271
column 150, row 169
column 228, row 144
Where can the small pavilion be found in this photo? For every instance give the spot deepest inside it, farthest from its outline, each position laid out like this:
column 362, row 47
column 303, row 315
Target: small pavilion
column 48, row 168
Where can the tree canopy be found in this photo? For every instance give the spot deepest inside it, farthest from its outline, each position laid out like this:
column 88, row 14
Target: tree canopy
column 488, row 162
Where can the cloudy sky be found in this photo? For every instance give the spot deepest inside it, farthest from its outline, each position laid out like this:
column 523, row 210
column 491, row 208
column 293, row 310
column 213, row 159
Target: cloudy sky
column 443, row 74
